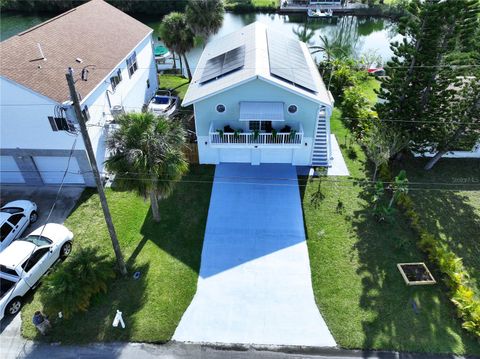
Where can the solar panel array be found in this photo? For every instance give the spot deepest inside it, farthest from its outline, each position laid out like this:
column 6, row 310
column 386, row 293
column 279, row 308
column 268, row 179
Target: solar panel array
column 288, row 62
column 223, row 64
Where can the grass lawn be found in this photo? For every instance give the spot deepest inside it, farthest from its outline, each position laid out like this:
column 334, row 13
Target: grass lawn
column 353, row 259
column 179, row 83
column 453, row 216
column 167, row 255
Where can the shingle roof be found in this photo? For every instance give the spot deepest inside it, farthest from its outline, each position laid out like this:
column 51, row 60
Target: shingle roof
column 256, row 65
column 95, row 32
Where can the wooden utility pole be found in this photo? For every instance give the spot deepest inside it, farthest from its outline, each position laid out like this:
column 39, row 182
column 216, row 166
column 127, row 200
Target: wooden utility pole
column 96, row 174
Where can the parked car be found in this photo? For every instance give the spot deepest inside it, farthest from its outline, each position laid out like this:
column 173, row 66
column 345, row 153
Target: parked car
column 26, row 261
column 15, row 217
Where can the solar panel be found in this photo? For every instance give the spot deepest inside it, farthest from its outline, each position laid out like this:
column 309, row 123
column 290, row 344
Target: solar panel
column 223, row 64
column 288, row 62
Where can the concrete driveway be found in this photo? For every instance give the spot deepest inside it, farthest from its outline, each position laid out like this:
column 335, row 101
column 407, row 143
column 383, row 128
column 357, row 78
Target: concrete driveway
column 11, row 341
column 255, row 283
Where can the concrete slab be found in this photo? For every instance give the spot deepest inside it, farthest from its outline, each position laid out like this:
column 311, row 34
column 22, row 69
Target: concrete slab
column 11, row 342
column 338, row 167
column 255, row 281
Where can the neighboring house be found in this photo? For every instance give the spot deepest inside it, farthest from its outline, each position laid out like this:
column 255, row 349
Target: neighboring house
column 38, row 124
column 265, row 87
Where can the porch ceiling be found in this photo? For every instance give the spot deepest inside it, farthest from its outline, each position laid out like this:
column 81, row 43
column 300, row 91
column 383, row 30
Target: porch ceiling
column 261, row 111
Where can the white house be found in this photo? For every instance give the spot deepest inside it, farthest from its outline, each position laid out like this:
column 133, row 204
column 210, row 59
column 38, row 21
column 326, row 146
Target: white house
column 258, row 98
column 38, row 126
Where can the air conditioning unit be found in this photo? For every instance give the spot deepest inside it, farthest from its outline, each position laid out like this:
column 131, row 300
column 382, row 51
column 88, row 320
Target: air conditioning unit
column 117, row 110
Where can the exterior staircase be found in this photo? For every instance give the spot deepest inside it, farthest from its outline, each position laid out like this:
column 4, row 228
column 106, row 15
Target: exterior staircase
column 320, row 145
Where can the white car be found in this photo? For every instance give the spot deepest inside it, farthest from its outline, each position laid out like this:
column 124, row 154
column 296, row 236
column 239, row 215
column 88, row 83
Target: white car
column 26, row 260
column 15, row 217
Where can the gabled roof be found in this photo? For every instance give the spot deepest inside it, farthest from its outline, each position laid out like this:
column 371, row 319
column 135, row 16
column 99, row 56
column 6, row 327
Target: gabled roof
column 256, row 65
column 95, row 32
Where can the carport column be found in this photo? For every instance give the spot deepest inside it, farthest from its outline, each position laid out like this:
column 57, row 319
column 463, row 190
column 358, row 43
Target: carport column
column 28, row 168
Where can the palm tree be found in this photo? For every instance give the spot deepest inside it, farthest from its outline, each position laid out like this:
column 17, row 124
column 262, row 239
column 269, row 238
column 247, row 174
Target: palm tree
column 329, row 48
column 304, row 33
column 204, row 17
column 177, row 36
column 147, row 155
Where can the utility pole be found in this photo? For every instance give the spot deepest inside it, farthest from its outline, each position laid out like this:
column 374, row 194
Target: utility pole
column 96, row 174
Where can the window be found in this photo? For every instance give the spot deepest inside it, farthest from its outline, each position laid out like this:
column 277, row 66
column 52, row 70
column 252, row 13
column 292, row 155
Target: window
column 60, row 124
column 12, row 210
column 37, row 240
column 86, row 113
column 220, row 108
column 5, row 230
column 8, row 271
column 116, row 79
column 260, row 125
column 16, row 218
column 34, row 259
column 292, row 108
column 132, row 64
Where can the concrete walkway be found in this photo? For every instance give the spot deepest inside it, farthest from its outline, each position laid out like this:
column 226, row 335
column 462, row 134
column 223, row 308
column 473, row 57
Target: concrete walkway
column 339, row 167
column 255, row 283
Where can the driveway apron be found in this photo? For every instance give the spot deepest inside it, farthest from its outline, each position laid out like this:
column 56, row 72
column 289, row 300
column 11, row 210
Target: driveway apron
column 255, row 283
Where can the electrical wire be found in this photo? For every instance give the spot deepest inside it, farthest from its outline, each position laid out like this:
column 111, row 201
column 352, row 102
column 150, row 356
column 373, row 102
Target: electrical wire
column 12, row 290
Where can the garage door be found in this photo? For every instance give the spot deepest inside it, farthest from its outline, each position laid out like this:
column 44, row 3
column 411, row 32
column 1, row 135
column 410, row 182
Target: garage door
column 9, row 171
column 52, row 169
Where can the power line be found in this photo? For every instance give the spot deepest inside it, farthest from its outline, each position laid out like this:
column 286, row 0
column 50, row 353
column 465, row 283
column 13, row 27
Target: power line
column 347, row 182
column 48, row 216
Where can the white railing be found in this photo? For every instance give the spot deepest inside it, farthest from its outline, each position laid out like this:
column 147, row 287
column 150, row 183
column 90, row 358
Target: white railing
column 294, row 137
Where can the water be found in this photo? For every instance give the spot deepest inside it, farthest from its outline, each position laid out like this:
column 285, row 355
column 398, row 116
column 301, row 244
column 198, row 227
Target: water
column 357, row 35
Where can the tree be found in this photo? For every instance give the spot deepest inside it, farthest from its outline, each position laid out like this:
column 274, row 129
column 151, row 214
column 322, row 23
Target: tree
column 147, row 155
column 426, row 95
column 177, row 36
column 381, row 144
column 304, row 33
column 399, row 187
column 204, row 17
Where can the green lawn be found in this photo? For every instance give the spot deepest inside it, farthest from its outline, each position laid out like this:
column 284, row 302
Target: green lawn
column 453, row 216
column 166, row 254
column 353, row 258
column 179, row 83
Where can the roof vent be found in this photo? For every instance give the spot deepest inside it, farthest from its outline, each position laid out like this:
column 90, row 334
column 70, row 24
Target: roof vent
column 79, row 60
column 42, row 56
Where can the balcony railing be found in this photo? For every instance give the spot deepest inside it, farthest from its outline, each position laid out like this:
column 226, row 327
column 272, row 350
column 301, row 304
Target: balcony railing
column 294, row 137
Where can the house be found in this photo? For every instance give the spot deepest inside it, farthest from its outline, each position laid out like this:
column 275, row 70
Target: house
column 258, row 98
column 114, row 68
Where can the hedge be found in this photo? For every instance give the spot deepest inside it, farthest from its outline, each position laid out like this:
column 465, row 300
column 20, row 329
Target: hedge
column 462, row 294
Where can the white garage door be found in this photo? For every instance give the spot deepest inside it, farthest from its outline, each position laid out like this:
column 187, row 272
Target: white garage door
column 9, row 171
column 52, row 169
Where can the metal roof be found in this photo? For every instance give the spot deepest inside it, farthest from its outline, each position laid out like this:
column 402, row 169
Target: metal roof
column 257, row 65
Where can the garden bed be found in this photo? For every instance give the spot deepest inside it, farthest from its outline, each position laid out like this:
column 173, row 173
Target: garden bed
column 416, row 273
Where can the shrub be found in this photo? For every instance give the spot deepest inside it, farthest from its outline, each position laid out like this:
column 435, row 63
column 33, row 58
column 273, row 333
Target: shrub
column 457, row 278
column 71, row 287
column 356, row 113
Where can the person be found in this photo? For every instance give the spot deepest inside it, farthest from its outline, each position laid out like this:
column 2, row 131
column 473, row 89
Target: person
column 41, row 322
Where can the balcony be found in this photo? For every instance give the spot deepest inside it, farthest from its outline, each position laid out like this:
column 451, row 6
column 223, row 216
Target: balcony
column 279, row 138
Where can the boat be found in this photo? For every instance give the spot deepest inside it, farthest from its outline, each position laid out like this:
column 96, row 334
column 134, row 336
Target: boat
column 319, row 13
column 376, row 70
column 163, row 57
column 163, row 103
